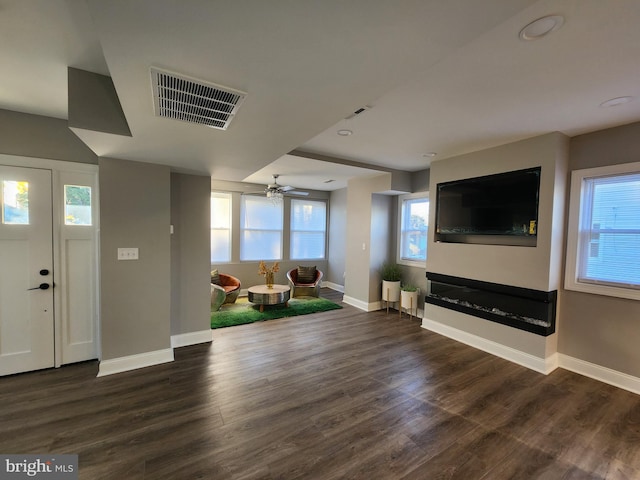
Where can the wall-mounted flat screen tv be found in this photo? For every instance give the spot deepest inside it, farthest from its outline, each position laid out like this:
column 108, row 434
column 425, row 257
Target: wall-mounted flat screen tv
column 497, row 209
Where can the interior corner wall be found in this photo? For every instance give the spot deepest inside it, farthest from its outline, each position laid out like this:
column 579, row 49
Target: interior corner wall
column 337, row 237
column 135, row 294
column 420, row 181
column 598, row 329
column 382, row 240
column 359, row 253
column 190, row 253
column 41, row 137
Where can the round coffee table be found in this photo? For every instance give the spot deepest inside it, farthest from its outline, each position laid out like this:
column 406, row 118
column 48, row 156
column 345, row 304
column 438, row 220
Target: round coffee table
column 262, row 295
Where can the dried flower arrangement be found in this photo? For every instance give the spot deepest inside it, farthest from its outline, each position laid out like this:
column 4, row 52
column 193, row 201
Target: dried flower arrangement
column 263, row 269
column 268, row 272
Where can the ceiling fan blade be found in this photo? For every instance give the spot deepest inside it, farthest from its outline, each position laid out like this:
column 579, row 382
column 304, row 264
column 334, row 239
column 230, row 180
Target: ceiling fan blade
column 286, row 188
column 297, row 192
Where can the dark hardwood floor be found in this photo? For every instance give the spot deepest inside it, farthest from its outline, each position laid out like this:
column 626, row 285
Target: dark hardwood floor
column 334, row 395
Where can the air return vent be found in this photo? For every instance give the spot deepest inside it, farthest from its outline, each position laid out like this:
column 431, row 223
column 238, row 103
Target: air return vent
column 195, row 101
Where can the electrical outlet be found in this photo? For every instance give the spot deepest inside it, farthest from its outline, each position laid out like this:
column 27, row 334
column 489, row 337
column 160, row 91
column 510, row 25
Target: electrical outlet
column 127, row 254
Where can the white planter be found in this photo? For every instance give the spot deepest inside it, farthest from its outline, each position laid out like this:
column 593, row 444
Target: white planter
column 390, row 291
column 409, row 301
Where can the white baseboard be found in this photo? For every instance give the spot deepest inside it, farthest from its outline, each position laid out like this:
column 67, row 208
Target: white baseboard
column 133, row 362
column 334, row 286
column 367, row 307
column 191, row 338
column 602, row 374
column 541, row 365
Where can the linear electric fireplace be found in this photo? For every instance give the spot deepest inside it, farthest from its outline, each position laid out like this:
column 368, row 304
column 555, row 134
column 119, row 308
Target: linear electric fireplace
column 522, row 308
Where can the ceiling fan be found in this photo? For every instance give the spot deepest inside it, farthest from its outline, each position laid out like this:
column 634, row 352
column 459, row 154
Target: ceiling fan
column 275, row 190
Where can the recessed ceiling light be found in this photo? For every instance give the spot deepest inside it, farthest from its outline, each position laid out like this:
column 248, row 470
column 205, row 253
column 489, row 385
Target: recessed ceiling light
column 614, row 102
column 429, row 154
column 541, row 27
column 345, row 132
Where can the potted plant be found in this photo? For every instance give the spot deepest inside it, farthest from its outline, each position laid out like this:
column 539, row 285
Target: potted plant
column 409, row 297
column 391, row 276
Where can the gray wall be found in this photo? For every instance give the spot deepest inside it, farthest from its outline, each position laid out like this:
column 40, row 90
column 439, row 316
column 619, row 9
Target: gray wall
column 529, row 267
column 416, row 275
column 41, row 137
column 362, row 258
column 420, row 181
column 136, row 294
column 536, row 267
column 382, row 242
column 595, row 328
column 190, row 253
column 337, row 237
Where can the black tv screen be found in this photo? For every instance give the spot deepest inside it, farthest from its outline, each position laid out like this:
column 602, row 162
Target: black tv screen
column 496, row 209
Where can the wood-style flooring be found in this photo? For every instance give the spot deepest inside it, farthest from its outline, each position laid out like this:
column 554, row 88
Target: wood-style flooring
column 335, row 395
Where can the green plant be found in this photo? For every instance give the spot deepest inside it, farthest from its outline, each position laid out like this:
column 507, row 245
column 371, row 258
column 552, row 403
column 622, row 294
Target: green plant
column 391, row 272
column 409, row 288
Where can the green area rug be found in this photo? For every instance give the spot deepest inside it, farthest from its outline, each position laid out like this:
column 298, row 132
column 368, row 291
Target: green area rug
column 243, row 311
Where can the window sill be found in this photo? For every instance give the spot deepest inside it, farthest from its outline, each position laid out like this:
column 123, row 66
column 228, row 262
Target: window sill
column 411, row 263
column 607, row 290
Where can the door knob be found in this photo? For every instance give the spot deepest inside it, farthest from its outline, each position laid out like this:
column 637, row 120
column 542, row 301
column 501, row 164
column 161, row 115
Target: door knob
column 42, row 286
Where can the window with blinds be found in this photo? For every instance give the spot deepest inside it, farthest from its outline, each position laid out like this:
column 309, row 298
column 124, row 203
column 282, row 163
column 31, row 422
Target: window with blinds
column 610, row 231
column 308, row 229
column 606, row 246
column 220, row 227
column 261, row 222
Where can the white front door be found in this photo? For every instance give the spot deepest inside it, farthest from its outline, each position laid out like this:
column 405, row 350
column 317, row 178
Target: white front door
column 26, row 270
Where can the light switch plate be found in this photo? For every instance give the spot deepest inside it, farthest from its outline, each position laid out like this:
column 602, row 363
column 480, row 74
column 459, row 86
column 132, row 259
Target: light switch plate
column 127, row 254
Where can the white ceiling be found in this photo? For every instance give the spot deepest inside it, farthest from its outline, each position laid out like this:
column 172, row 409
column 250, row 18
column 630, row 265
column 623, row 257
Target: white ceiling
column 445, row 76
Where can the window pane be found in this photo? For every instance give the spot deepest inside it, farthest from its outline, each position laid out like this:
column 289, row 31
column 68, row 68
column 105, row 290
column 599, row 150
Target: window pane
column 261, row 213
column 15, row 200
column 615, row 258
column 308, row 215
column 220, row 246
column 261, row 245
column 308, row 229
column 610, row 232
column 413, row 235
column 220, row 227
column 77, row 205
column 260, row 229
column 307, row 245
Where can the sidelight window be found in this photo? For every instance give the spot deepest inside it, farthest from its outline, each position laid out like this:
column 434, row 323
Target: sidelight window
column 77, row 205
column 15, row 202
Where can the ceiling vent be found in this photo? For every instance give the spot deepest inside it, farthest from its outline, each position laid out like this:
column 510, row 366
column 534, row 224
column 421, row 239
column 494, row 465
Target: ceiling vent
column 359, row 111
column 195, row 101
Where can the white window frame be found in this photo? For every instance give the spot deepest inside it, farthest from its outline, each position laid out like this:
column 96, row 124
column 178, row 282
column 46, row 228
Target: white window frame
column 229, row 230
column 280, row 228
column 574, row 248
column 292, row 231
column 399, row 259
